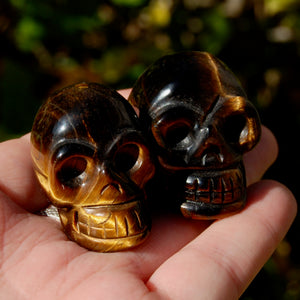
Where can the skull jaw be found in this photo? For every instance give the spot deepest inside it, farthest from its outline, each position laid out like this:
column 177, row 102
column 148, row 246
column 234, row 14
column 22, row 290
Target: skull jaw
column 214, row 195
column 107, row 245
column 209, row 211
column 107, row 228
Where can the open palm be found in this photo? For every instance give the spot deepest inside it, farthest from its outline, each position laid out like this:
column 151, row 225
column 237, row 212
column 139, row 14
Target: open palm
column 182, row 259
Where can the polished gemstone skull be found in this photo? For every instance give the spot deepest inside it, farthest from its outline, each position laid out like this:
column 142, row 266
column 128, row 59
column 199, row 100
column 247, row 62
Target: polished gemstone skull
column 199, row 123
column 92, row 160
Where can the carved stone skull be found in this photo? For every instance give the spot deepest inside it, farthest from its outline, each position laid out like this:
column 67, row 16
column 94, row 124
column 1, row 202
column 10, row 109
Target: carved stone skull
column 90, row 157
column 200, row 123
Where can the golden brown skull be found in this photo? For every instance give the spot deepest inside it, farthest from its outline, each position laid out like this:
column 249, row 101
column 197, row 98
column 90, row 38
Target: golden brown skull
column 200, row 123
column 93, row 162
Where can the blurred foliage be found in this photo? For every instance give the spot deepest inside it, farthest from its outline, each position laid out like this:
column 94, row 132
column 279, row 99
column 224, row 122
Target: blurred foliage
column 49, row 44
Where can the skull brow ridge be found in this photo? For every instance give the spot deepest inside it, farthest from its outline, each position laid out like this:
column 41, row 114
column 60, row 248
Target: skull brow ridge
column 213, row 108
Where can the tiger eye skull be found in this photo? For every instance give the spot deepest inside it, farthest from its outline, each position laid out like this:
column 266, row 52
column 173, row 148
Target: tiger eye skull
column 90, row 157
column 200, row 123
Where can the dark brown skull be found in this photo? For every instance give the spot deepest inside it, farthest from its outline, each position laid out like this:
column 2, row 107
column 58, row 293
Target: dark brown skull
column 200, row 123
column 92, row 160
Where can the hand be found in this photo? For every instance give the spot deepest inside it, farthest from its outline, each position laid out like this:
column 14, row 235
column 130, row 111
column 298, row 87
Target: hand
column 182, row 259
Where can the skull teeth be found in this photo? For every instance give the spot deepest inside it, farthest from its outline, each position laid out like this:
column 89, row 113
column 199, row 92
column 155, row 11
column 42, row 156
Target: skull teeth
column 108, row 223
column 223, row 188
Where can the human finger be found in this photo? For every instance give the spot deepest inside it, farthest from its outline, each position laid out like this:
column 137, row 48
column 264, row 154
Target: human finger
column 261, row 157
column 17, row 178
column 222, row 261
column 125, row 93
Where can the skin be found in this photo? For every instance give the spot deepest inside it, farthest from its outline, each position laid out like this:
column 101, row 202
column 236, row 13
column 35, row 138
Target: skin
column 182, row 259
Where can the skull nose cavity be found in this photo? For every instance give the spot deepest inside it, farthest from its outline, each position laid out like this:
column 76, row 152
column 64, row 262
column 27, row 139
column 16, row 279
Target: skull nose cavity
column 110, row 193
column 111, row 187
column 211, row 156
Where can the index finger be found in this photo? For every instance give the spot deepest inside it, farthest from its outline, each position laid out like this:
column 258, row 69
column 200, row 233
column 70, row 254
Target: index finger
column 221, row 262
column 261, row 157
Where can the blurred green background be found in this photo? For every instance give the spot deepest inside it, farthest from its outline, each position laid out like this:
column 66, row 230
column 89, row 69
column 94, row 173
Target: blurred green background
column 48, row 44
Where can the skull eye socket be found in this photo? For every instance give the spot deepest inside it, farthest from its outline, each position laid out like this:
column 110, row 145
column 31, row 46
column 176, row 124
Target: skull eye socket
column 234, row 128
column 174, row 129
column 71, row 171
column 126, row 157
column 176, row 133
